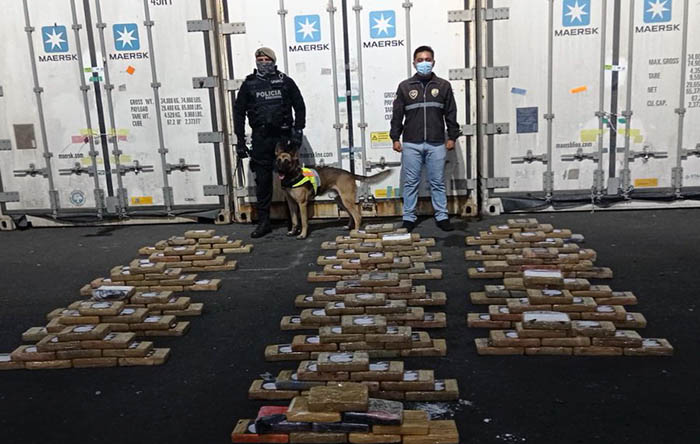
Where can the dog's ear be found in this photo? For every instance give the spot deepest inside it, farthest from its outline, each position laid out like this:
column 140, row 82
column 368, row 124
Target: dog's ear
column 279, row 149
column 295, row 154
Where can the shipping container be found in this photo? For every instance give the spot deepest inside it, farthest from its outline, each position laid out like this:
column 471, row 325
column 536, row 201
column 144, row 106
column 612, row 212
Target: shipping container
column 122, row 110
column 99, row 115
column 348, row 58
column 601, row 99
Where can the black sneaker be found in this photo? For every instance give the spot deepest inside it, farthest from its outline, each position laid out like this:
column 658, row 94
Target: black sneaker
column 445, row 225
column 408, row 225
column 261, row 230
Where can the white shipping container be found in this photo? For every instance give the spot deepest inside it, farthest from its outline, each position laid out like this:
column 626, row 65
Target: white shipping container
column 301, row 34
column 589, row 158
column 123, row 108
column 111, row 123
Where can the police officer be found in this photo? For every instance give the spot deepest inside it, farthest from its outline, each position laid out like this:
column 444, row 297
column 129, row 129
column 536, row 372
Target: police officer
column 424, row 106
column 267, row 97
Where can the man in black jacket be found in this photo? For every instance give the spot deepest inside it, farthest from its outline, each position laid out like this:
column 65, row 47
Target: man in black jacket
column 423, row 106
column 267, row 97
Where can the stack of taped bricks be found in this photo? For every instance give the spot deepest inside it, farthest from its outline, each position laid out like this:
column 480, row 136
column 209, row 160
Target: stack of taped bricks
column 340, row 413
column 370, row 317
column 134, row 302
column 546, row 305
column 170, row 262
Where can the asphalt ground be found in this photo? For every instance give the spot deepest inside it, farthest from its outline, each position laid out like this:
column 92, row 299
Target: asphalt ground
column 202, row 390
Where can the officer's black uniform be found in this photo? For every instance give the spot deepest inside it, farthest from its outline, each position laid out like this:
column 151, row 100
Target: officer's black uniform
column 268, row 102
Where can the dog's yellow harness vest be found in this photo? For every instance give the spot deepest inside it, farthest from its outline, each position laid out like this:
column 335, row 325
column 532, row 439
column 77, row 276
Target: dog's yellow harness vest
column 309, row 176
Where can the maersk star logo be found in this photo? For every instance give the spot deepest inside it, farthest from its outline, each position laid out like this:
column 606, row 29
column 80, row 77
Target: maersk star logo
column 657, row 11
column 576, row 13
column 55, row 38
column 307, row 28
column 126, row 37
column 382, row 24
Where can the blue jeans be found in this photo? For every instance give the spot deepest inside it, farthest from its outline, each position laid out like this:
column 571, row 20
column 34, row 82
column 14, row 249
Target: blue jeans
column 413, row 157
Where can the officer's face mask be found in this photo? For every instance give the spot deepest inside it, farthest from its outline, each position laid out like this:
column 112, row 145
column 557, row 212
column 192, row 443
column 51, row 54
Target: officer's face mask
column 424, row 68
column 266, row 68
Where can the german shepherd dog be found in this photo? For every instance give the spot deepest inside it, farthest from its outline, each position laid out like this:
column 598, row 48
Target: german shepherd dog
column 342, row 182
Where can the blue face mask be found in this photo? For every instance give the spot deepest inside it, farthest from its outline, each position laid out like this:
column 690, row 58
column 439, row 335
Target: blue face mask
column 424, row 68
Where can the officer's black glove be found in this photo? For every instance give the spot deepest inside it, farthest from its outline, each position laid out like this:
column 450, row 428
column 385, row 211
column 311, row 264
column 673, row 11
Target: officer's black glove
column 241, row 148
column 296, row 138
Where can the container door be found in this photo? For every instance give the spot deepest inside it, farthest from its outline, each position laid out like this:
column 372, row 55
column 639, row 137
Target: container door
column 389, row 32
column 556, row 144
column 301, row 35
column 658, row 143
column 154, row 113
column 48, row 119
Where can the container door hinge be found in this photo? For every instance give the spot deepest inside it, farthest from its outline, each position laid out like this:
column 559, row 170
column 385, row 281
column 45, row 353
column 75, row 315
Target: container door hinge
column 32, row 171
column 9, row 196
column 487, row 129
column 529, row 157
column 381, row 164
column 204, row 82
column 677, row 178
column 488, row 183
column 468, row 15
column 211, row 137
column 684, row 153
column 215, row 190
column 490, row 72
column 646, row 153
column 207, row 25
column 181, row 166
column 135, row 168
column 579, row 155
column 78, row 170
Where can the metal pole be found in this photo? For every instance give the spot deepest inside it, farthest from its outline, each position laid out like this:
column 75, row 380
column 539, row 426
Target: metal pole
column 407, row 5
column 348, row 86
column 549, row 175
column 362, row 124
column 481, row 149
column 681, row 110
column 334, row 67
column 598, row 175
column 627, row 113
column 122, row 202
column 614, row 93
column 98, row 193
column 167, row 190
column 283, row 22
column 38, row 90
column 215, row 65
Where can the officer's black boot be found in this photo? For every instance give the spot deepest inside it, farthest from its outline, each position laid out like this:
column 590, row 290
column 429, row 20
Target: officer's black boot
column 263, row 227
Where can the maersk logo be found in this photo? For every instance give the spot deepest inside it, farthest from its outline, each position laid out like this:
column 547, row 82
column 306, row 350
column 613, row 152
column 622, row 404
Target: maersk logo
column 55, row 39
column 382, row 30
column 126, row 37
column 127, row 42
column 576, row 19
column 576, row 13
column 382, row 24
column 657, row 11
column 307, row 28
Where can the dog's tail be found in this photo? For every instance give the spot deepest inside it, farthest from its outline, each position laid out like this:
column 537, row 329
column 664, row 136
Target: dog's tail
column 373, row 178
